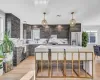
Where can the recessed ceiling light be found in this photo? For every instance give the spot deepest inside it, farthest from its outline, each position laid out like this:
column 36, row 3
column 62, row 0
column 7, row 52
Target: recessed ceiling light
column 35, row 2
column 41, row 2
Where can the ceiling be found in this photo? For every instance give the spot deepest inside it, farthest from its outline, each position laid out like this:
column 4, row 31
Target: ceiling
column 86, row 11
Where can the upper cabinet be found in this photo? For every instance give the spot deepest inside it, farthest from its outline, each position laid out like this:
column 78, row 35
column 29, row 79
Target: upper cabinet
column 12, row 25
column 76, row 28
column 27, row 29
column 61, row 31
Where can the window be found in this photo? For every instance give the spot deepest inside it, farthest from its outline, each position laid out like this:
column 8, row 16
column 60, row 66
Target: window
column 36, row 33
column 92, row 37
column 1, row 28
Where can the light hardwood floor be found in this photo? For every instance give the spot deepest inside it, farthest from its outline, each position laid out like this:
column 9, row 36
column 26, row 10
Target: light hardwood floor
column 18, row 72
column 28, row 65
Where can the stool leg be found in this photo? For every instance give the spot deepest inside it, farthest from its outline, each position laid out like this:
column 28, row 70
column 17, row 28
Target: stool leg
column 57, row 62
column 41, row 61
column 72, row 64
column 64, row 64
column 79, row 64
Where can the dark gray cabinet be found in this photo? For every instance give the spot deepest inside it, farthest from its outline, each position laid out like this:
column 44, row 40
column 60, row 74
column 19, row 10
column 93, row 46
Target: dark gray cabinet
column 31, row 49
column 17, row 55
column 76, row 28
column 27, row 31
column 12, row 25
column 64, row 33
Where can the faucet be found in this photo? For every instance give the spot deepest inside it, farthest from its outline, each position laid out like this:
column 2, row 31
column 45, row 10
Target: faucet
column 37, row 40
column 48, row 39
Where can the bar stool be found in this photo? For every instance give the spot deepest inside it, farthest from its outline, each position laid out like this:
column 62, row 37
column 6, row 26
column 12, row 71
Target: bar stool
column 86, row 55
column 57, row 60
column 42, row 62
column 71, row 57
column 85, row 51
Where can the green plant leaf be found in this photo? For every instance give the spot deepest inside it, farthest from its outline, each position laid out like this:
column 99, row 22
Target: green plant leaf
column 84, row 39
column 1, row 56
column 7, row 44
column 1, row 61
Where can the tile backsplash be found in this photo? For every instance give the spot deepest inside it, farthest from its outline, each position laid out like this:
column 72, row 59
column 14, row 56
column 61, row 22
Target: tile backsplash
column 44, row 41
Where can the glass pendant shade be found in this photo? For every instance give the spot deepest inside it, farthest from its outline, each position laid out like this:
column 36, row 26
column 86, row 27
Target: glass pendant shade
column 72, row 21
column 44, row 21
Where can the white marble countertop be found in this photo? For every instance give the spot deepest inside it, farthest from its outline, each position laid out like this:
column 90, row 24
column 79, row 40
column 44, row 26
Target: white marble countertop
column 44, row 41
column 62, row 47
column 58, row 46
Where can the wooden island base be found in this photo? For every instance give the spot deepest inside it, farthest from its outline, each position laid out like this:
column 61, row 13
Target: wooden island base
column 61, row 63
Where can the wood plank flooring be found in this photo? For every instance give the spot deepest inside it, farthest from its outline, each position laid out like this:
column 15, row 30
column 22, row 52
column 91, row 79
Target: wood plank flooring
column 18, row 72
column 28, row 65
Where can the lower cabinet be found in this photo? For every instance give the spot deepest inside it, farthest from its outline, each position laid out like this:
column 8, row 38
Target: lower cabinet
column 18, row 55
column 31, row 49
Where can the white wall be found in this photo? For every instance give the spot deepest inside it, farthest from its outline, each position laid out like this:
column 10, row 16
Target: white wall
column 85, row 28
column 2, row 26
column 94, row 28
column 21, row 30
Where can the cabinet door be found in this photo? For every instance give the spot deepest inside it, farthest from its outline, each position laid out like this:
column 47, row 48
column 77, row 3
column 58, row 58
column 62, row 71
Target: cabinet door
column 62, row 34
column 53, row 30
column 28, row 32
column 76, row 28
column 12, row 25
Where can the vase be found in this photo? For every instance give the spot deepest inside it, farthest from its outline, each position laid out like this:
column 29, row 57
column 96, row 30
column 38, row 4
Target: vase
column 8, row 62
column 1, row 71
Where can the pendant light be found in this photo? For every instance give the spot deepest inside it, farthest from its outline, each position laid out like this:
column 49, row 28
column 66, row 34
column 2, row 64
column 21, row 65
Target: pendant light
column 44, row 22
column 72, row 21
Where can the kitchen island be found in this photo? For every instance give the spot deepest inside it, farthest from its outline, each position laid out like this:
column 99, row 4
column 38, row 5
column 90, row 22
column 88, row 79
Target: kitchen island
column 56, row 61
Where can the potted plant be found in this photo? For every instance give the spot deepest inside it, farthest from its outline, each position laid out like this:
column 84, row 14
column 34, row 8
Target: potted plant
column 1, row 65
column 7, row 48
column 1, row 60
column 84, row 39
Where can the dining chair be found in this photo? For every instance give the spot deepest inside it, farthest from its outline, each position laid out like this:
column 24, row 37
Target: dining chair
column 96, row 50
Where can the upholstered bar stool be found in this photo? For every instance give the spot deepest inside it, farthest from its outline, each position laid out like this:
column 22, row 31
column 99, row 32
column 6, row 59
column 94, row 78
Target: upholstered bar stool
column 86, row 56
column 71, row 57
column 57, row 60
column 42, row 62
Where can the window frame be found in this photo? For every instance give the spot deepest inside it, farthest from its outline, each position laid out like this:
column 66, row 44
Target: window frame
column 96, row 36
column 33, row 36
column 1, row 28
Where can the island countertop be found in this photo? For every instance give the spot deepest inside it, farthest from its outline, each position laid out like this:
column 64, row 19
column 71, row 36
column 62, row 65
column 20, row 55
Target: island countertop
column 57, row 46
column 62, row 47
